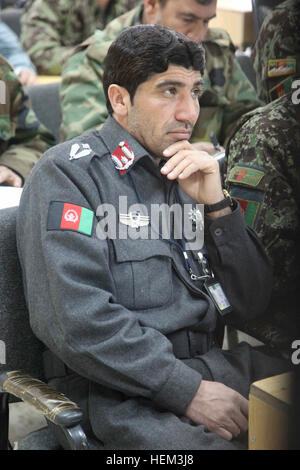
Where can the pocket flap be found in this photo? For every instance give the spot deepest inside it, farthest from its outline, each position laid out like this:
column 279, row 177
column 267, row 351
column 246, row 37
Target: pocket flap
column 138, row 250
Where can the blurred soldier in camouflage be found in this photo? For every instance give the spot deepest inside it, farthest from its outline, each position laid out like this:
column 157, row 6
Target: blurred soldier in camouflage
column 228, row 94
column 263, row 169
column 22, row 138
column 51, row 28
column 276, row 50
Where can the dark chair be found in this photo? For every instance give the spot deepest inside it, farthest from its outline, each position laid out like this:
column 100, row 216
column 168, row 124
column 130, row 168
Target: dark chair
column 45, row 101
column 260, row 9
column 21, row 366
column 12, row 17
column 247, row 67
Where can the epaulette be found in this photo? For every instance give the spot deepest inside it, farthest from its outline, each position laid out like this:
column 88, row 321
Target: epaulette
column 98, row 47
column 79, row 151
column 219, row 36
column 85, row 44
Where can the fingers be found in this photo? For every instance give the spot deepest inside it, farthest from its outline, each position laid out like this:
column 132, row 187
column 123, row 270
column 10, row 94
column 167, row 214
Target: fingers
column 186, row 162
column 10, row 177
column 222, row 432
column 174, row 148
column 241, row 415
column 27, row 77
column 244, row 406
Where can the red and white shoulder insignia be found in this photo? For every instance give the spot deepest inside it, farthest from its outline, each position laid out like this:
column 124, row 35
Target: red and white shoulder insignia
column 123, row 157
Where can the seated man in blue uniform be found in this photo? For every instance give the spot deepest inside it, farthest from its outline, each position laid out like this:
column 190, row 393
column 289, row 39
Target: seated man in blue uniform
column 134, row 317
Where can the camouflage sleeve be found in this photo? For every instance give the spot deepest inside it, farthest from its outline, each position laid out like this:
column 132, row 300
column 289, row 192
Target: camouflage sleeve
column 41, row 35
column 227, row 91
column 241, row 98
column 22, row 138
column 82, row 96
column 263, row 174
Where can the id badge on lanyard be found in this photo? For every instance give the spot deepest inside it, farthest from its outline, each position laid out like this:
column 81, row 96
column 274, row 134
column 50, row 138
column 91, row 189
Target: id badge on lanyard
column 216, row 293
column 213, row 287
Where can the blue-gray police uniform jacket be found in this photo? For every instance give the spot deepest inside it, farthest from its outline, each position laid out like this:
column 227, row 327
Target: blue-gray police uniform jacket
column 107, row 307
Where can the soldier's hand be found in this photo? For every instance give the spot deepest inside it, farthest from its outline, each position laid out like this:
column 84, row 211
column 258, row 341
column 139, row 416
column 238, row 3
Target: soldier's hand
column 196, row 171
column 219, row 408
column 28, row 77
column 10, row 177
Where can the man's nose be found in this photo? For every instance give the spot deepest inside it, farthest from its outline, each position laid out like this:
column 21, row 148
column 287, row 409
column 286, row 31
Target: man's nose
column 188, row 110
column 198, row 33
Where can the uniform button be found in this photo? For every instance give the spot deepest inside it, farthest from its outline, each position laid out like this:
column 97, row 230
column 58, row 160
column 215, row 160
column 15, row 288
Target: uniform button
column 218, row 232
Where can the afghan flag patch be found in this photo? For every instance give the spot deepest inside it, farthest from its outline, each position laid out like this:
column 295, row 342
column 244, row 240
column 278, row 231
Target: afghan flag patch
column 245, row 175
column 250, row 210
column 250, row 201
column 279, row 67
column 67, row 216
column 283, row 88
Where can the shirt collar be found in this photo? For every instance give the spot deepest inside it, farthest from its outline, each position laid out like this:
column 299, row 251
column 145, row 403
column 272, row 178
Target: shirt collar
column 113, row 133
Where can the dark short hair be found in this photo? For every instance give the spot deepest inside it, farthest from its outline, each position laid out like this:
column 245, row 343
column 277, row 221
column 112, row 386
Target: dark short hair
column 143, row 50
column 201, row 2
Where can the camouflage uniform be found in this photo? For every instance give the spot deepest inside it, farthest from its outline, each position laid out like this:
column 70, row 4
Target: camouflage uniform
column 228, row 93
column 263, row 173
column 22, row 138
column 51, row 28
column 263, row 167
column 276, row 54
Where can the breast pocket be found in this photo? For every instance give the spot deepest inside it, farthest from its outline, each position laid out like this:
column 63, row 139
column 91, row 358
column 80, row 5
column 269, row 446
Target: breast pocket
column 143, row 273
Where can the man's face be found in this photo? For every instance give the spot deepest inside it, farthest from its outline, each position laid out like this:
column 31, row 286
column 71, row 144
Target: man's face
column 186, row 16
column 102, row 4
column 165, row 108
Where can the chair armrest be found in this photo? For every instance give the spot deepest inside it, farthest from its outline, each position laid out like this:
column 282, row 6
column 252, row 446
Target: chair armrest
column 55, row 406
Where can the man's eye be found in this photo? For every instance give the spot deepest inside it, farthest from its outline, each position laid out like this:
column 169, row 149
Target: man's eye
column 188, row 20
column 196, row 92
column 170, row 91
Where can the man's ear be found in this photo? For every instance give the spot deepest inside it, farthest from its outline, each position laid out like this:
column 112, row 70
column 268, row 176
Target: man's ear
column 119, row 99
column 152, row 9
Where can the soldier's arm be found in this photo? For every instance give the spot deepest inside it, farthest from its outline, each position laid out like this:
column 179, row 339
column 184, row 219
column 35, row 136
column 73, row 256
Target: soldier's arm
column 263, row 176
column 41, row 37
column 25, row 139
column 241, row 98
column 82, row 96
column 12, row 50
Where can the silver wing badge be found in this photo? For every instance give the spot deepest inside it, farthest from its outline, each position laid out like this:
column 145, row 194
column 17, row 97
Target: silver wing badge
column 134, row 219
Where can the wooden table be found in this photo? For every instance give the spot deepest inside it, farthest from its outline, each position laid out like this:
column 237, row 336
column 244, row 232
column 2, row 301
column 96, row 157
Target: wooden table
column 270, row 413
column 43, row 79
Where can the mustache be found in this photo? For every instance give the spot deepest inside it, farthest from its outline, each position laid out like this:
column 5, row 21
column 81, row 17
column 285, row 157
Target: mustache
column 188, row 126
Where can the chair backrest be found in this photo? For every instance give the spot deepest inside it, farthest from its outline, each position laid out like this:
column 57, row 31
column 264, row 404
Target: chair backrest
column 45, row 101
column 247, row 67
column 19, row 348
column 12, row 17
column 260, row 9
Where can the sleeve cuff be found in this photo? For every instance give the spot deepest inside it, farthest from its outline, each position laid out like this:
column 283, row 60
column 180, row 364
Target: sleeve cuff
column 180, row 388
column 224, row 228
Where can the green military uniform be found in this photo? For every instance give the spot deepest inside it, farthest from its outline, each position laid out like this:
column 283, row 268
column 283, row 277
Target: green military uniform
column 22, row 138
column 263, row 173
column 51, row 28
column 276, row 54
column 228, row 94
column 263, row 167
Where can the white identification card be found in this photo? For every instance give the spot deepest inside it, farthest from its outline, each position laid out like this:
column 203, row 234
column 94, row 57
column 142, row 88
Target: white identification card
column 217, row 294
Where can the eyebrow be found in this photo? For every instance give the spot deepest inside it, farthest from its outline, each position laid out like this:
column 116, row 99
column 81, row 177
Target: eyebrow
column 178, row 84
column 192, row 16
